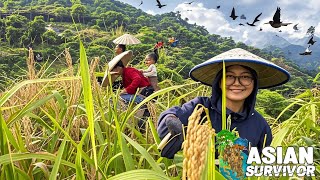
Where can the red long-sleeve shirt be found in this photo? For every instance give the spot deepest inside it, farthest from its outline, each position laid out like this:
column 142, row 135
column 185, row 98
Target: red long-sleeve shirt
column 133, row 79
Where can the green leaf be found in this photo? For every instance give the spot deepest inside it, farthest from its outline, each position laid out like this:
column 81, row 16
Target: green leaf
column 88, row 99
column 57, row 163
column 140, row 174
column 224, row 111
column 4, row 159
column 145, row 154
column 279, row 136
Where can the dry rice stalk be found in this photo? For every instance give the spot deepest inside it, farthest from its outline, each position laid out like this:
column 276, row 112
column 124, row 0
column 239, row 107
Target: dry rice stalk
column 72, row 88
column 315, row 92
column 75, row 129
column 30, row 63
column 195, row 145
column 27, row 131
column 93, row 66
column 31, row 89
column 153, row 112
column 69, row 61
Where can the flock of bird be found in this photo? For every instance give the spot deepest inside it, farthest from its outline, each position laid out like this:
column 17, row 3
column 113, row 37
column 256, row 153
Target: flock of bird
column 275, row 22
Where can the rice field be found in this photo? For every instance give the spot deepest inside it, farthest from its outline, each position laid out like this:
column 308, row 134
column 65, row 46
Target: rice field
column 65, row 126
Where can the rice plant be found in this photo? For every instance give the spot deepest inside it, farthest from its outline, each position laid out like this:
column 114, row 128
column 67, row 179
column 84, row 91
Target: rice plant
column 65, row 126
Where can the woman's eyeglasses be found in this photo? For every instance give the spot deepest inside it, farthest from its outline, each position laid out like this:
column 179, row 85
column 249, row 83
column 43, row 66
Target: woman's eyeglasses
column 243, row 80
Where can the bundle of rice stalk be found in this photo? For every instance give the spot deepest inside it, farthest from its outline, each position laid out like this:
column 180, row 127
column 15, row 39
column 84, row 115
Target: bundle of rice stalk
column 195, row 146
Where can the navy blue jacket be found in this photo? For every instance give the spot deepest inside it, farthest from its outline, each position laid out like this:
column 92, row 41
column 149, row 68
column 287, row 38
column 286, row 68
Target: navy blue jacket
column 249, row 123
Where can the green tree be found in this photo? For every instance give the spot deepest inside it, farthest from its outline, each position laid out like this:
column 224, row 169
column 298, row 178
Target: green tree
column 61, row 12
column 273, row 103
column 36, row 29
column 79, row 10
column 112, row 19
column 50, row 37
column 16, row 20
column 13, row 35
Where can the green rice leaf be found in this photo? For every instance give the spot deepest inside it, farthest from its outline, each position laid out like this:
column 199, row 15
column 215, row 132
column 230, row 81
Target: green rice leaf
column 88, row 99
column 140, row 174
column 224, row 111
column 145, row 154
column 4, row 159
column 279, row 136
column 57, row 163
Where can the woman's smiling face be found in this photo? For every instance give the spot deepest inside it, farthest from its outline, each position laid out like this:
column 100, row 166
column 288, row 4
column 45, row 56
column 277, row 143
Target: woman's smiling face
column 239, row 83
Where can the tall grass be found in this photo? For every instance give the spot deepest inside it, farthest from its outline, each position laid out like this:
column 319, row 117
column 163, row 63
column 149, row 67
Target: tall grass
column 69, row 127
column 80, row 131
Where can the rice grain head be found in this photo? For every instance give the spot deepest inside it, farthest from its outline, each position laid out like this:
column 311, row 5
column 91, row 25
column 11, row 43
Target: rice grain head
column 196, row 144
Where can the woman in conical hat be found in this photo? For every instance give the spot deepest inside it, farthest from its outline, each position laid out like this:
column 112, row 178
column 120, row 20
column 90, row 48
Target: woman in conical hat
column 245, row 73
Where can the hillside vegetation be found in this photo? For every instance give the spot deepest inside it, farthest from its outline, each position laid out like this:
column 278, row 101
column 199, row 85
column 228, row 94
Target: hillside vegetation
column 58, row 123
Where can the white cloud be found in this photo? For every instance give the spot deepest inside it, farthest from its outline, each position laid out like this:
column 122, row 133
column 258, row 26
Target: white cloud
column 213, row 19
column 150, row 12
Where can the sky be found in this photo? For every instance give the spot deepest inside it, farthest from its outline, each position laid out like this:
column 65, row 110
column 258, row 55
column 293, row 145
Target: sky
column 217, row 21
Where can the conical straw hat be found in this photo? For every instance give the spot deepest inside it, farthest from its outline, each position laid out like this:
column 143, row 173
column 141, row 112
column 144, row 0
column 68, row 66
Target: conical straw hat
column 269, row 74
column 125, row 57
column 126, row 39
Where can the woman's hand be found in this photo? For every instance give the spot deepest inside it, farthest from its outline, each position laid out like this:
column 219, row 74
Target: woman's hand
column 124, row 91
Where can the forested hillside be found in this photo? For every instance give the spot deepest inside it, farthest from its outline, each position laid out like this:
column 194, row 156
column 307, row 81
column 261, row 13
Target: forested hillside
column 59, row 123
column 51, row 26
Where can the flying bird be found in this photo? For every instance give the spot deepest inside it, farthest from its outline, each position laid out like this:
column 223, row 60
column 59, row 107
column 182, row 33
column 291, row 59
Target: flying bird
column 255, row 20
column 280, row 31
column 311, row 30
column 306, row 52
column 141, row 3
column 233, row 14
column 159, row 4
column 241, row 24
column 276, row 23
column 189, row 2
column 189, row 10
column 243, row 16
column 295, row 27
column 311, row 41
column 218, row 7
column 260, row 29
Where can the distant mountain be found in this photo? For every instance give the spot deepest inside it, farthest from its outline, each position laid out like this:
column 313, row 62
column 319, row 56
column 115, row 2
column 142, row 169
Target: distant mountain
column 269, row 39
column 291, row 51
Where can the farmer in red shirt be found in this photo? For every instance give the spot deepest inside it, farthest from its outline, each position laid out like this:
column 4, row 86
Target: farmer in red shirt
column 133, row 80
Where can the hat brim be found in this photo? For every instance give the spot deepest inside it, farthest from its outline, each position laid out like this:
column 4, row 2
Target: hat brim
column 125, row 57
column 269, row 74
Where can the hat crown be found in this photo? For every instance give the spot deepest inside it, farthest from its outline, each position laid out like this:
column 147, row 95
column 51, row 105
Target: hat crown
column 237, row 53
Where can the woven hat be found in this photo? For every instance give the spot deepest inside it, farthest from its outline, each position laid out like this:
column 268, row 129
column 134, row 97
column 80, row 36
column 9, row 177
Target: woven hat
column 125, row 57
column 269, row 74
column 126, row 39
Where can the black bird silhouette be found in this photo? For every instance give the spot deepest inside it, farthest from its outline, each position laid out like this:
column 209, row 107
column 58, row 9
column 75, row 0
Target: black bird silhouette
column 311, row 41
column 189, row 10
column 295, row 27
column 280, row 31
column 307, row 51
column 241, row 24
column 276, row 23
column 141, row 3
column 159, row 4
column 189, row 2
column 233, row 14
column 243, row 16
column 218, row 7
column 260, row 29
column 255, row 20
